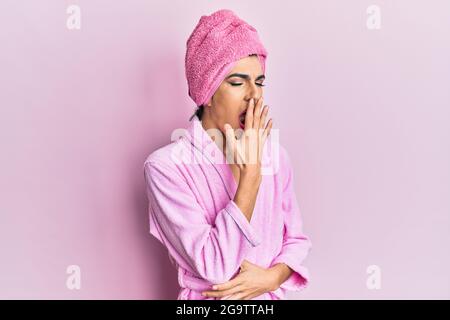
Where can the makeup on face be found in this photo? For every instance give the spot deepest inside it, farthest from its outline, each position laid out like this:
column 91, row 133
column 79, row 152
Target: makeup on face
column 245, row 77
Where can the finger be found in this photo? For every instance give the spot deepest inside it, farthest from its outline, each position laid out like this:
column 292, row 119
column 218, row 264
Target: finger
column 266, row 132
column 256, row 116
column 263, row 119
column 229, row 284
column 229, row 131
column 233, row 290
column 252, row 142
column 261, row 130
column 249, row 114
column 218, row 294
column 230, row 151
column 249, row 297
column 230, row 297
column 238, row 296
column 240, row 157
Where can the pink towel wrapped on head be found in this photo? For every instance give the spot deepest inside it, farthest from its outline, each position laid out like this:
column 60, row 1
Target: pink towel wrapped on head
column 216, row 44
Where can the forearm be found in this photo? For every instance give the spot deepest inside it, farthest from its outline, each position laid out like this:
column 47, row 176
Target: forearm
column 246, row 193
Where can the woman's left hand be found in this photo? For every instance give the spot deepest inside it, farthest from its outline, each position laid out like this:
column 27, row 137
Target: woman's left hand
column 251, row 282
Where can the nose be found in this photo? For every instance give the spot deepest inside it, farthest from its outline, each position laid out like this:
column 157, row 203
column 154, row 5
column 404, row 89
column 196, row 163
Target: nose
column 254, row 92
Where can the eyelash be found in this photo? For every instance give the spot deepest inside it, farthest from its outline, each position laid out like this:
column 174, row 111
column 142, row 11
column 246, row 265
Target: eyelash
column 238, row 84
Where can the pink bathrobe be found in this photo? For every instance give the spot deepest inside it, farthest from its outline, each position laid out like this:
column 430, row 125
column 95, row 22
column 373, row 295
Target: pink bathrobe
column 190, row 189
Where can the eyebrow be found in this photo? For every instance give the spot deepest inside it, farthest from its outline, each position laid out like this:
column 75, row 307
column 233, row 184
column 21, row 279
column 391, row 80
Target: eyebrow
column 245, row 76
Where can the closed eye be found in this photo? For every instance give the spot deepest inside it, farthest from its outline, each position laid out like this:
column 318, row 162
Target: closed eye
column 239, row 84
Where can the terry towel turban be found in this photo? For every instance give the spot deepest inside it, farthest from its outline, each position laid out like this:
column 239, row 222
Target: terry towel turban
column 216, row 44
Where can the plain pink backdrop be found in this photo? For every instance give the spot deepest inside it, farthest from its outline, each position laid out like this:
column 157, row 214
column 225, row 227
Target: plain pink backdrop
column 363, row 113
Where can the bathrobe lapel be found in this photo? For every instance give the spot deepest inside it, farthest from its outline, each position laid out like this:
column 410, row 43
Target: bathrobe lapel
column 208, row 154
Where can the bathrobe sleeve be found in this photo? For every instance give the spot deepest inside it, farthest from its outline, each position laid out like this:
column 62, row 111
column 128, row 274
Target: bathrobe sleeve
column 296, row 245
column 212, row 251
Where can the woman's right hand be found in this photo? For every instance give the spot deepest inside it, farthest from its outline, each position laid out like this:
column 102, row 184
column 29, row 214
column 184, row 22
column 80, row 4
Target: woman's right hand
column 246, row 151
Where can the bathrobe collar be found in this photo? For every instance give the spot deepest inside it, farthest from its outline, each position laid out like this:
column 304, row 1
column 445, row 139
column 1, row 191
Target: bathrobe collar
column 210, row 154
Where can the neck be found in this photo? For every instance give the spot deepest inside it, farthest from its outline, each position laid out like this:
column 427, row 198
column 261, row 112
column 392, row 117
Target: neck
column 208, row 124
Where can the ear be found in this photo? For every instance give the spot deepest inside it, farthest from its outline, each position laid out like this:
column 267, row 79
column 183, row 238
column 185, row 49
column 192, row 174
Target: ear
column 210, row 101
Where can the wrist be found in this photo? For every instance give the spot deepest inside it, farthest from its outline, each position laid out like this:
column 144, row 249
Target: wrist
column 281, row 272
column 275, row 278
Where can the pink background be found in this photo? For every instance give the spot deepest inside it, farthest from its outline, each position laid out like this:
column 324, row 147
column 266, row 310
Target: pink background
column 363, row 113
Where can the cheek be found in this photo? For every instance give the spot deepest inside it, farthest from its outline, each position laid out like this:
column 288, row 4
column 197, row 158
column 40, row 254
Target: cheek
column 231, row 97
column 229, row 102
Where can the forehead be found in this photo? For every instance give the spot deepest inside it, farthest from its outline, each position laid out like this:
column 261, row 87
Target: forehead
column 248, row 65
